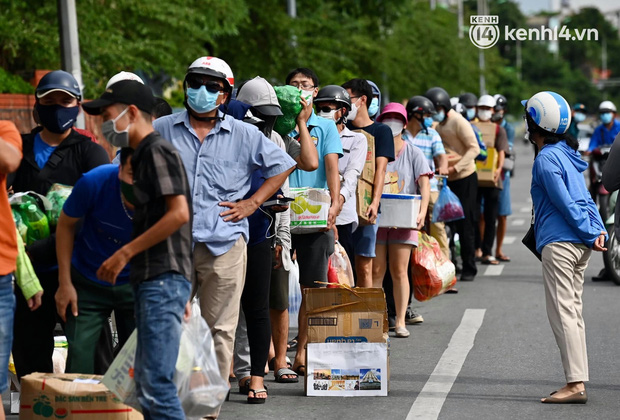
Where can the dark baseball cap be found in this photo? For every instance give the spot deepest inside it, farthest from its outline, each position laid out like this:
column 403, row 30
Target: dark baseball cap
column 129, row 92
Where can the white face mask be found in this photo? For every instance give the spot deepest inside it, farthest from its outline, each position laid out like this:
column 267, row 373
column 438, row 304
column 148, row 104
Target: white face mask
column 307, row 95
column 485, row 114
column 353, row 112
column 395, row 124
column 328, row 115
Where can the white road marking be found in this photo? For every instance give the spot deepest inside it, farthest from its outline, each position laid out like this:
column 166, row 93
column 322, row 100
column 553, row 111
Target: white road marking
column 509, row 240
column 429, row 402
column 517, row 222
column 525, row 209
column 494, row 270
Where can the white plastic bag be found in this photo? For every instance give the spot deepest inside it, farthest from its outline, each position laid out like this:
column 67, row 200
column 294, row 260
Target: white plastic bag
column 294, row 296
column 201, row 387
column 339, row 261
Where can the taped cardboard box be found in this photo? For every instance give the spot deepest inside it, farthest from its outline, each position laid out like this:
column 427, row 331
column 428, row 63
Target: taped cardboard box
column 345, row 315
column 489, row 131
column 72, row 396
column 363, row 200
column 347, row 369
column 487, row 168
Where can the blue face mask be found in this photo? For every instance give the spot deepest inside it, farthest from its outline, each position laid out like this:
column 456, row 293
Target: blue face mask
column 471, row 113
column 201, row 100
column 374, row 107
column 428, row 122
column 440, row 116
column 579, row 117
column 606, row 117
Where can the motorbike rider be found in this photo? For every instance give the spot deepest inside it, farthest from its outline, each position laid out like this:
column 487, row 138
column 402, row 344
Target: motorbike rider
column 578, row 116
column 605, row 133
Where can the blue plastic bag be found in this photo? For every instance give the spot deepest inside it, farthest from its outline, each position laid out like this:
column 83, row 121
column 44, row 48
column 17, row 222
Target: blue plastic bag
column 448, row 207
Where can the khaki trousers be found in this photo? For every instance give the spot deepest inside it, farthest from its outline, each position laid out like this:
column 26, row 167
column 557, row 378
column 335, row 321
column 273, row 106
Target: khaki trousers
column 563, row 266
column 219, row 282
column 438, row 230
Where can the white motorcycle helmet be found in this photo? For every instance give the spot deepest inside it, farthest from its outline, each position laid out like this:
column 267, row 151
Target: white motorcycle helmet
column 215, row 67
column 606, row 106
column 124, row 75
column 549, row 111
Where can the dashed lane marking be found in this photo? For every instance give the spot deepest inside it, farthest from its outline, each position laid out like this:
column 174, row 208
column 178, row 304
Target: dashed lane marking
column 494, row 270
column 430, row 400
column 517, row 222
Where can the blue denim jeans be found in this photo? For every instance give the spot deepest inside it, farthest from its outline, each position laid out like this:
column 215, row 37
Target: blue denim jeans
column 7, row 312
column 159, row 305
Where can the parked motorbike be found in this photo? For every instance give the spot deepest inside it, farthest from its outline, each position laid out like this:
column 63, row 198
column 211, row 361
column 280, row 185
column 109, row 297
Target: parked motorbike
column 611, row 257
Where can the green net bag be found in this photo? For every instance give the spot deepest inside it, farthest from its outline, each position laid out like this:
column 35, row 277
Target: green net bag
column 289, row 98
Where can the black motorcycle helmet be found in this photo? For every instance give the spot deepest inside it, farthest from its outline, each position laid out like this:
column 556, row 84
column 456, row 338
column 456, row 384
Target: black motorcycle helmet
column 500, row 102
column 468, row 99
column 334, row 93
column 419, row 105
column 439, row 97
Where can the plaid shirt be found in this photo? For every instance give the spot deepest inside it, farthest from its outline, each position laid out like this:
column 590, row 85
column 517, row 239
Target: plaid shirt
column 159, row 172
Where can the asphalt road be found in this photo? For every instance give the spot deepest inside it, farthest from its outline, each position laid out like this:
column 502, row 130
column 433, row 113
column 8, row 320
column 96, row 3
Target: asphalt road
column 513, row 362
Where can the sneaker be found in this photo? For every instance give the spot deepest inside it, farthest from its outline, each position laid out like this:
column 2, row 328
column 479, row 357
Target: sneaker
column 412, row 317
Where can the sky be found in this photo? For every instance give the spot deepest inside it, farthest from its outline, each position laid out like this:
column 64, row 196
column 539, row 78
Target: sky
column 532, row 6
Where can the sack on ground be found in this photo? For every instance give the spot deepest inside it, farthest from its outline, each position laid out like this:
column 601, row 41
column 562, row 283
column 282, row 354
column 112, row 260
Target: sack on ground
column 448, row 207
column 431, row 271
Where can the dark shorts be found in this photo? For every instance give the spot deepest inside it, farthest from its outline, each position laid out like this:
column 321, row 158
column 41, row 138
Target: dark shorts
column 313, row 252
column 278, row 291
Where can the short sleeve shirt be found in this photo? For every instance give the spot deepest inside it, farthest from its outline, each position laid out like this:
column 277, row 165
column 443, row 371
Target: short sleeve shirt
column 324, row 134
column 159, row 172
column 107, row 226
column 384, row 141
column 8, row 239
column 402, row 174
column 431, row 146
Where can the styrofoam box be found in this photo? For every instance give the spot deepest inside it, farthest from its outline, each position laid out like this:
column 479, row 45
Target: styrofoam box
column 399, row 210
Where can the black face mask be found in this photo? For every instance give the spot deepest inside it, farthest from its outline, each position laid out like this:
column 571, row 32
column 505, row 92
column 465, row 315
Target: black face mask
column 57, row 118
column 267, row 123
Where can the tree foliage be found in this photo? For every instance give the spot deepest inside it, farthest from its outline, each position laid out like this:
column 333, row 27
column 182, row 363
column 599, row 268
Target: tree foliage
column 402, row 45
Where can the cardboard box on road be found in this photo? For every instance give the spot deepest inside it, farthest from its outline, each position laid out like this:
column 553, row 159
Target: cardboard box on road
column 71, row 396
column 344, row 315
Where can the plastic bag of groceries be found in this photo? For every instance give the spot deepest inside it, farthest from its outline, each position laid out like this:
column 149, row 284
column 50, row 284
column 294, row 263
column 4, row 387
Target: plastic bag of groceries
column 289, row 99
column 294, row 296
column 431, row 271
column 340, row 270
column 57, row 195
column 201, row 387
column 448, row 207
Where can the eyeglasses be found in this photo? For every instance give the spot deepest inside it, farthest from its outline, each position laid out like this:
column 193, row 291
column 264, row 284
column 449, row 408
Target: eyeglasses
column 305, row 86
column 325, row 109
column 211, row 85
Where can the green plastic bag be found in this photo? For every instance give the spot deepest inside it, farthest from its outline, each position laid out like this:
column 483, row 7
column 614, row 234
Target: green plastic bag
column 289, row 98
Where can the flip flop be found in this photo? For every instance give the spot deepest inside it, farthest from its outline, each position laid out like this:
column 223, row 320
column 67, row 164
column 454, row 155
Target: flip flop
column 254, row 399
column 502, row 258
column 244, row 388
column 292, row 345
column 489, row 261
column 286, row 372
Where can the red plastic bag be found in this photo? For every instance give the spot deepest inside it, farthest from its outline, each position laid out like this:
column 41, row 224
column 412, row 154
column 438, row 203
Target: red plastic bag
column 431, row 271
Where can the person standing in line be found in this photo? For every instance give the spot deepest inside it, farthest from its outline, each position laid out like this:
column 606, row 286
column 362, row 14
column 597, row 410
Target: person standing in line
column 365, row 237
column 567, row 228
column 161, row 249
column 459, row 140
